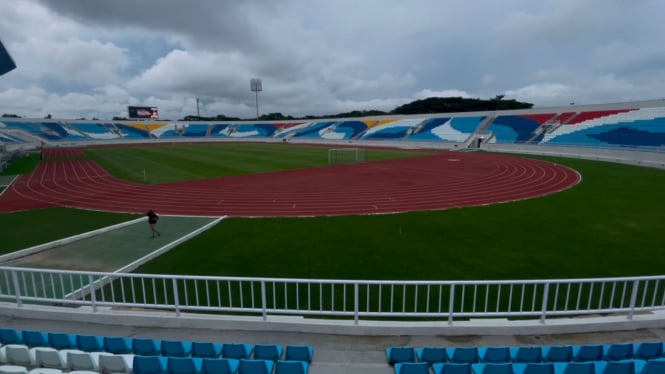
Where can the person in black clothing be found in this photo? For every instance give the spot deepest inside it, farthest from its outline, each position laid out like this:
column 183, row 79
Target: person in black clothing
column 152, row 220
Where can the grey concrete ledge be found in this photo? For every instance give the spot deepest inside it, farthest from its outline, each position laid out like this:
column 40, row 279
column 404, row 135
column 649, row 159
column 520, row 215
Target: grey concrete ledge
column 108, row 316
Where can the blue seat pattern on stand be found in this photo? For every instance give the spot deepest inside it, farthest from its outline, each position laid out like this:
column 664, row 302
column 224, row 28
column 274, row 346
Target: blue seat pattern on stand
column 184, row 365
column 11, row 336
column 617, row 352
column 236, row 350
column 526, row 354
column 468, row 355
column 451, row 368
column 534, row 368
column 60, row 340
column 270, row 352
column 492, row 368
column 575, row 368
column 149, row 365
column 412, row 368
column 299, row 353
column 176, row 348
column 89, row 343
column 33, row 338
column 117, row 345
column 648, row 350
column 291, row 367
column 588, row 352
column 431, row 354
column 206, row 349
column 494, row 354
column 219, row 366
column 255, row 367
column 146, row 347
column 557, row 353
column 400, row 354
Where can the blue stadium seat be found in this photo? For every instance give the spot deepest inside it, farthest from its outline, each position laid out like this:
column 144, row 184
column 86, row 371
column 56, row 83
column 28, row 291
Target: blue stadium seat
column 176, row 348
column 648, row 350
column 89, row 343
column 60, row 340
column 206, row 349
column 616, row 352
column 588, row 352
column 558, row 353
column 219, row 366
column 654, row 366
column 395, row 355
column 494, row 354
column 492, row 368
column 146, row 347
column 464, row 355
column 575, row 368
column 432, row 354
column 237, row 351
column 451, row 368
column 149, row 365
column 33, row 338
column 299, row 353
column 291, row 367
column 184, row 365
column 255, row 367
column 534, row 368
column 526, row 354
column 117, row 345
column 412, row 368
column 11, row 336
column 615, row 367
column 270, row 352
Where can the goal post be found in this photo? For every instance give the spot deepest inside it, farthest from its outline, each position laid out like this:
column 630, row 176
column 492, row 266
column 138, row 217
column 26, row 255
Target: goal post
column 346, row 155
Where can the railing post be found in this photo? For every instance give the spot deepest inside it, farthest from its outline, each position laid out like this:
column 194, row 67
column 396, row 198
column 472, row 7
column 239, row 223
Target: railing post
column 176, row 299
column 264, row 306
column 93, row 297
column 356, row 303
column 633, row 298
column 17, row 289
column 546, row 293
column 451, row 305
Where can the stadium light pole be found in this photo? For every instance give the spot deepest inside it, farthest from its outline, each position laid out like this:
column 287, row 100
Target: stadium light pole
column 197, row 108
column 255, row 86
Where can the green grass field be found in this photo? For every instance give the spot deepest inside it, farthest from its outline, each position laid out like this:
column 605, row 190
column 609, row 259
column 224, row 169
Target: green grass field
column 164, row 164
column 608, row 225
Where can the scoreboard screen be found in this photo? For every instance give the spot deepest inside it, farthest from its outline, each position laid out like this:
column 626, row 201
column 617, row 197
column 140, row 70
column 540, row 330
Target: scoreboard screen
column 149, row 112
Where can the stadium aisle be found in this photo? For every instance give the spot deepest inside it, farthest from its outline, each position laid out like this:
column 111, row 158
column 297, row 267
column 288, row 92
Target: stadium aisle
column 114, row 249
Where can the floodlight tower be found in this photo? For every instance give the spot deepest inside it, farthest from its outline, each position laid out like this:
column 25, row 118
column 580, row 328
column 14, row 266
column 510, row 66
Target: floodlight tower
column 255, row 86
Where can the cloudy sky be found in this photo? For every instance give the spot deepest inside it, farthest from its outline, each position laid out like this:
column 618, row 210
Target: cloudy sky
column 93, row 58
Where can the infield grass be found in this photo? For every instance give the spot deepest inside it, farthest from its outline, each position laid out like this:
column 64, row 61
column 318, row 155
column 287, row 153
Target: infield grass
column 608, row 225
column 174, row 163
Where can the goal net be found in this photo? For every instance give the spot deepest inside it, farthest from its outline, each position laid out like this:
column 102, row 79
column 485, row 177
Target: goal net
column 346, row 155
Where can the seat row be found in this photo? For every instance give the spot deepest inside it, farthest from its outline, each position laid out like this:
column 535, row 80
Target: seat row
column 45, row 360
column 526, row 354
column 154, row 347
column 655, row 366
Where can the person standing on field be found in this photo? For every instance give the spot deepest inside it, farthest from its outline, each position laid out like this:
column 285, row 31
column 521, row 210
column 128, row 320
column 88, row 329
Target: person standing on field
column 152, row 221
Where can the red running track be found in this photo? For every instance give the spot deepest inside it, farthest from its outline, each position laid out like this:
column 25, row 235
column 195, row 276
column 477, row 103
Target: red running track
column 442, row 181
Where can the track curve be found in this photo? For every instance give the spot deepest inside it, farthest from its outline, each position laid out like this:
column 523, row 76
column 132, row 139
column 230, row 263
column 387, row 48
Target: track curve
column 441, row 181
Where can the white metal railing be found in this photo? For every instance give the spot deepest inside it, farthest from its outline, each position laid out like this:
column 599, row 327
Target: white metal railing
column 352, row 299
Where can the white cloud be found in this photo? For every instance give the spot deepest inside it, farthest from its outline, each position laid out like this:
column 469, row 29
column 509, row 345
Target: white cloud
column 78, row 58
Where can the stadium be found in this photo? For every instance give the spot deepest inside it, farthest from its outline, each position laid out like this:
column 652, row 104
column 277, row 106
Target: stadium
column 450, row 235
column 350, row 172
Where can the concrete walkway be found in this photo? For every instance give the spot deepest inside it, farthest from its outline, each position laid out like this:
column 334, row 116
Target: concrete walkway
column 113, row 249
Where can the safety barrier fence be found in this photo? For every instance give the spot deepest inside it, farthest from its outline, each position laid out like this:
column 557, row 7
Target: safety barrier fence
column 347, row 299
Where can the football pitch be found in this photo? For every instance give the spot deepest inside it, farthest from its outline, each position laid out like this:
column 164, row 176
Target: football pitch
column 608, row 225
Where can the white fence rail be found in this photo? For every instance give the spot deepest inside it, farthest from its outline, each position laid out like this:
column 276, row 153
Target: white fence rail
column 351, row 299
